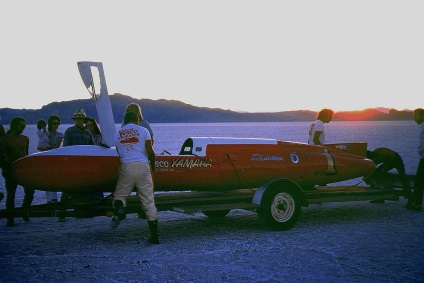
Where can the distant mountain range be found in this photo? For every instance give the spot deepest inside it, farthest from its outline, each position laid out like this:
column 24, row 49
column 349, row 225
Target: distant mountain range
column 172, row 111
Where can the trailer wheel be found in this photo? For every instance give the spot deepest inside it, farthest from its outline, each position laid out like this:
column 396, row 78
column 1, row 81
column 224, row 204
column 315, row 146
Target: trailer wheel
column 216, row 213
column 280, row 208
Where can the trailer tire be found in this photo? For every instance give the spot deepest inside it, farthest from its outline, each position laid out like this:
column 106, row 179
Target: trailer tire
column 216, row 213
column 280, row 207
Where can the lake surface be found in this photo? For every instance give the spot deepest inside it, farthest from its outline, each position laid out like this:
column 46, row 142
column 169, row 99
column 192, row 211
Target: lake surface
column 401, row 136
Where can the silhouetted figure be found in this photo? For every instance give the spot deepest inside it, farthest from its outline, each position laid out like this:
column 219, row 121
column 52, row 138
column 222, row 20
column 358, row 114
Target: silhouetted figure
column 386, row 160
column 13, row 146
column 416, row 201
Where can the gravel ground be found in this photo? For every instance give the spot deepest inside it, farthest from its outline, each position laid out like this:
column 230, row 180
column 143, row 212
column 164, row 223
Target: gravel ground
column 333, row 242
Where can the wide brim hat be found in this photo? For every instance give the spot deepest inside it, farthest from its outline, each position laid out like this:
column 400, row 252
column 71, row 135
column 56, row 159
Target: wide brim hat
column 79, row 114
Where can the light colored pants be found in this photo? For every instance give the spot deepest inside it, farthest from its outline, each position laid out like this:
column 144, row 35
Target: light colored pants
column 137, row 174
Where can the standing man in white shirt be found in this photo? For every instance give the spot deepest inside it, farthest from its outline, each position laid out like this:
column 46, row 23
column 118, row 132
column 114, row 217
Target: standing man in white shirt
column 316, row 130
column 134, row 146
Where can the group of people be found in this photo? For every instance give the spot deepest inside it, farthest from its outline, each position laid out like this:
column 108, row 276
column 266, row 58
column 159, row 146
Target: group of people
column 136, row 154
column 384, row 158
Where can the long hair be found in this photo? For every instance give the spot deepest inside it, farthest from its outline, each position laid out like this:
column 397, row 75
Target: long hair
column 130, row 117
column 96, row 126
column 136, row 109
column 50, row 121
column 324, row 113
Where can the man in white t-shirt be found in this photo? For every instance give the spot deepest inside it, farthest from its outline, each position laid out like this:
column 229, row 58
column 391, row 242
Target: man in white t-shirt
column 134, row 146
column 316, row 130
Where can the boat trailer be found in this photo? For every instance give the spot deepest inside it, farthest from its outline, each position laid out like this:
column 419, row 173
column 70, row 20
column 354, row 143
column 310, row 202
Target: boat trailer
column 278, row 208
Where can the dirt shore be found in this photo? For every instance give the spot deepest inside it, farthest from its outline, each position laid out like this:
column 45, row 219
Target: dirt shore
column 335, row 242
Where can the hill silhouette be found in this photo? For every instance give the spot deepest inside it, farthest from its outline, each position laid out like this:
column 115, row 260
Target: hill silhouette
column 172, row 111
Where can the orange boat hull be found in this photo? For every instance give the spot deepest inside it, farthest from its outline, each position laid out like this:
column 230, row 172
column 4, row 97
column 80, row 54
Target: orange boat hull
column 219, row 164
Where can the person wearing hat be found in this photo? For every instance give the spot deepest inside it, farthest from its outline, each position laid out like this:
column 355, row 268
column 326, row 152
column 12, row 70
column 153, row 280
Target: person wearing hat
column 78, row 134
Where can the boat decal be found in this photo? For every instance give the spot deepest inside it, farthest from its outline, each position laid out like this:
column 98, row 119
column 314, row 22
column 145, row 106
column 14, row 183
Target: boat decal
column 161, row 164
column 294, row 158
column 259, row 157
column 128, row 136
column 190, row 163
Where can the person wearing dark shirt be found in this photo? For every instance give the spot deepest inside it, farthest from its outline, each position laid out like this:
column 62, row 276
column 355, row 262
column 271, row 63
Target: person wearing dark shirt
column 386, row 160
column 13, row 146
column 2, row 133
column 78, row 134
column 416, row 201
column 93, row 127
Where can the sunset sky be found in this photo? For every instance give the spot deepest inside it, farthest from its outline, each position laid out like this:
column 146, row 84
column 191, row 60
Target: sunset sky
column 255, row 56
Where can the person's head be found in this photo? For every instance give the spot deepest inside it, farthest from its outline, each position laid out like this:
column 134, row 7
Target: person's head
column 325, row 115
column 41, row 124
column 136, row 109
column 53, row 123
column 92, row 126
column 130, row 117
column 419, row 116
column 17, row 125
column 79, row 118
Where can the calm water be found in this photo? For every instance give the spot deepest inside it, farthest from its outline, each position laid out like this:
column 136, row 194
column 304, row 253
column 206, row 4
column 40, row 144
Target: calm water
column 401, row 136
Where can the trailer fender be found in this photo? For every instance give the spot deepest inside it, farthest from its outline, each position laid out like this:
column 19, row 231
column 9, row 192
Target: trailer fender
column 276, row 182
column 279, row 203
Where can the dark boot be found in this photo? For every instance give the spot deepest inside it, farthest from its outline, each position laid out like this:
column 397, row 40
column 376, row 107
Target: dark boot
column 406, row 192
column 153, row 227
column 119, row 210
column 118, row 213
column 28, row 198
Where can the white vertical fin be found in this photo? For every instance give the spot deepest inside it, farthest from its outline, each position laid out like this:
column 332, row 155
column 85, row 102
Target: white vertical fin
column 94, row 80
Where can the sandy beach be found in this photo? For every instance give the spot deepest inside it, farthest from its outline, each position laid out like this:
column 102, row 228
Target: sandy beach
column 334, row 242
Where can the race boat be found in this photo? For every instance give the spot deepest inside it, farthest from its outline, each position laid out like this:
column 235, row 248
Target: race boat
column 204, row 163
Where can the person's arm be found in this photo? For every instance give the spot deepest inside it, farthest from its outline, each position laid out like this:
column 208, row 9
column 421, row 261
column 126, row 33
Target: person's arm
column 150, row 153
column 146, row 125
column 66, row 138
column 316, row 140
column 27, row 146
column 57, row 143
column 2, row 151
column 91, row 139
